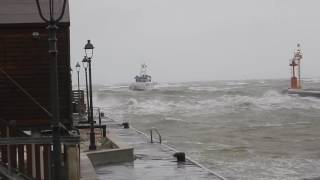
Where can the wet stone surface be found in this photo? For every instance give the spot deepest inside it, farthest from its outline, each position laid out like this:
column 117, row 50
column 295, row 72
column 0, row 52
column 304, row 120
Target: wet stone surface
column 153, row 161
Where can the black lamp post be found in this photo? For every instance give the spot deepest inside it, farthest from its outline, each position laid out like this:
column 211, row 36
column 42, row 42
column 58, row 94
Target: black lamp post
column 85, row 65
column 89, row 53
column 78, row 71
column 52, row 22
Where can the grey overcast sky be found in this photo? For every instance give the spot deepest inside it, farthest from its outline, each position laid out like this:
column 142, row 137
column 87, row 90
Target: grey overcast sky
column 196, row 40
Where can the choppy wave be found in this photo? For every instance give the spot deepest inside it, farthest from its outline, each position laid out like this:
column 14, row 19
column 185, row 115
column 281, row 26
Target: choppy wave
column 208, row 88
column 225, row 122
column 270, row 100
column 173, row 119
column 312, row 80
column 168, row 85
column 236, row 83
column 212, row 88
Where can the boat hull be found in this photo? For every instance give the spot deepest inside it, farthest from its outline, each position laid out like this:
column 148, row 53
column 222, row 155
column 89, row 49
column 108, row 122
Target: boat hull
column 141, row 86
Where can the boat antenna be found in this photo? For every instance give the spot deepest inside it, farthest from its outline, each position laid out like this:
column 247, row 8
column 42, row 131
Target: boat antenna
column 143, row 70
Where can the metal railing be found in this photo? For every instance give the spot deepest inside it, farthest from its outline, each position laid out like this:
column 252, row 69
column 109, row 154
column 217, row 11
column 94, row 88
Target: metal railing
column 151, row 135
column 78, row 101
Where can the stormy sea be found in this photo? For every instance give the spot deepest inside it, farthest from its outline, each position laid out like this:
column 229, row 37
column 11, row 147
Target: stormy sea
column 248, row 130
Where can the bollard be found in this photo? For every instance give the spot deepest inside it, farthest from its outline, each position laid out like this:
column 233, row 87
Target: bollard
column 181, row 157
column 125, row 125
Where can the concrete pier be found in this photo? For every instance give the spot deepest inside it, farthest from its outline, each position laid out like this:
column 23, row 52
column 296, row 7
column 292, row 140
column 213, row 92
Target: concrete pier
column 305, row 92
column 152, row 160
column 87, row 171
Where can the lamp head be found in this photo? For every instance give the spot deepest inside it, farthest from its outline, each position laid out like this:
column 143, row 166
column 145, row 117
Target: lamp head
column 78, row 67
column 85, row 62
column 89, row 49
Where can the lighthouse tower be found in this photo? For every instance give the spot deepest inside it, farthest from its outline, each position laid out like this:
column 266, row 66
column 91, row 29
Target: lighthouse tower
column 296, row 71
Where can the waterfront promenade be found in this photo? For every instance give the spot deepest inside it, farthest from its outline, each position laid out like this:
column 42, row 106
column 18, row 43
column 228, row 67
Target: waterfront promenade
column 152, row 160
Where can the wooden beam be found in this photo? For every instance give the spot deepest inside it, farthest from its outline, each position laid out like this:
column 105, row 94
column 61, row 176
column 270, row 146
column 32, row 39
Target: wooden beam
column 37, row 140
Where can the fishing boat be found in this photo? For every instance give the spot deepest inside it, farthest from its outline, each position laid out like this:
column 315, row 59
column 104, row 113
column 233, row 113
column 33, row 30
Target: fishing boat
column 143, row 81
column 296, row 87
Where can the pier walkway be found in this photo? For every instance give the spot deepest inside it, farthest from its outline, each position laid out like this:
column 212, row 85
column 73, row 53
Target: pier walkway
column 153, row 160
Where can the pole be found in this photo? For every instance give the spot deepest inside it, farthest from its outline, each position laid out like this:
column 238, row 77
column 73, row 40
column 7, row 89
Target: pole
column 99, row 116
column 78, row 94
column 87, row 90
column 92, row 145
column 54, row 99
column 54, row 86
column 299, row 85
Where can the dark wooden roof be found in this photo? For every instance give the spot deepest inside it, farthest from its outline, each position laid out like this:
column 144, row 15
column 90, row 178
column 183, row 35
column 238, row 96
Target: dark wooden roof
column 25, row 11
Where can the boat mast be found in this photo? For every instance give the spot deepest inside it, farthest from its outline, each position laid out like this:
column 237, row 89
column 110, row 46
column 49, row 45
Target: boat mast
column 143, row 70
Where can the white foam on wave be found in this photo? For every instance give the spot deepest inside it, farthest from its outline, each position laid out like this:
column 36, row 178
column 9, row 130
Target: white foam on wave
column 236, row 83
column 156, row 106
column 167, row 85
column 274, row 100
column 122, row 88
column 211, row 88
column 265, row 125
column 204, row 88
column 173, row 119
column 268, row 101
column 193, row 142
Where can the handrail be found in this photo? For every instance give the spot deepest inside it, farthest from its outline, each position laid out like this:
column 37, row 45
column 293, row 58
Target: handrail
column 151, row 137
column 189, row 158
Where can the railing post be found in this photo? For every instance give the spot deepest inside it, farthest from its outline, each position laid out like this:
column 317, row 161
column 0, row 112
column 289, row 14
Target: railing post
column 73, row 158
column 13, row 150
column 4, row 156
column 151, row 136
column 29, row 159
column 33, row 160
column 99, row 116
column 37, row 162
column 104, row 131
column 46, row 162
column 21, row 159
column 8, row 149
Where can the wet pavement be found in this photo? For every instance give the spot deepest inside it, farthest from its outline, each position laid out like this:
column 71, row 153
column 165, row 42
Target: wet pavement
column 153, row 160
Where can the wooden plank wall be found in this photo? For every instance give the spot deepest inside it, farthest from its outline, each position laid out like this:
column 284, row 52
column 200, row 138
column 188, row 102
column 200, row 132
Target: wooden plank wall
column 26, row 60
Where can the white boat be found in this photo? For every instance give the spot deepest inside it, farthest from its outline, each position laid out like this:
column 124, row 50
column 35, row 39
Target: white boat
column 143, row 81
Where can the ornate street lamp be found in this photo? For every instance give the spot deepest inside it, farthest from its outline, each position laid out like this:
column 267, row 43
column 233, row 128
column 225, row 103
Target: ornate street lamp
column 89, row 54
column 85, row 65
column 78, row 71
column 52, row 22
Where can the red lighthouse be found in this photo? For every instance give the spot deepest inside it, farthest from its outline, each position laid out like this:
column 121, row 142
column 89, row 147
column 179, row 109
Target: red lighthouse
column 296, row 88
column 295, row 64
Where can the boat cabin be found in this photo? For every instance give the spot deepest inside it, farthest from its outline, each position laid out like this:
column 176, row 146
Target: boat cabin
column 143, row 78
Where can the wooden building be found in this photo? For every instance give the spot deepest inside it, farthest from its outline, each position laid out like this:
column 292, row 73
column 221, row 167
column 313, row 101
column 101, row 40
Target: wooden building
column 24, row 57
column 25, row 139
